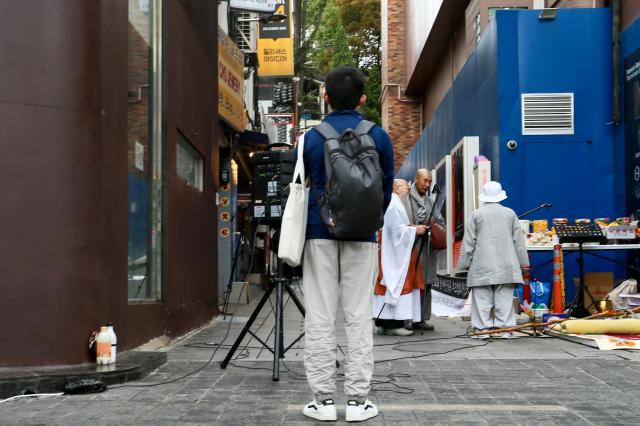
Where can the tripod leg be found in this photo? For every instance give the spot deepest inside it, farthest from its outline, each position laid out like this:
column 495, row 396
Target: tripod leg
column 581, row 298
column 282, row 322
column 295, row 298
column 277, row 343
column 227, row 294
column 593, row 300
column 577, row 307
column 244, row 331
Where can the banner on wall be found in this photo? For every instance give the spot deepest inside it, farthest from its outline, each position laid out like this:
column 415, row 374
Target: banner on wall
column 275, row 45
column 230, row 82
column 632, row 129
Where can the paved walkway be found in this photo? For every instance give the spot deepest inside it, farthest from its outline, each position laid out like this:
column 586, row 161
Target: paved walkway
column 435, row 378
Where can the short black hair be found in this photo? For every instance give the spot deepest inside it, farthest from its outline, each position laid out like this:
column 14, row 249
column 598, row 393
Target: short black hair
column 345, row 86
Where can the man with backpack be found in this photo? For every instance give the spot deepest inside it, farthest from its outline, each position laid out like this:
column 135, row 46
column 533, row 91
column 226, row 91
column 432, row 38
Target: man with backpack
column 350, row 165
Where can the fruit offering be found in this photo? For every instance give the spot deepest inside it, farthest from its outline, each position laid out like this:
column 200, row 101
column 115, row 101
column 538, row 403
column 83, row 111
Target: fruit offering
column 539, row 239
column 540, row 225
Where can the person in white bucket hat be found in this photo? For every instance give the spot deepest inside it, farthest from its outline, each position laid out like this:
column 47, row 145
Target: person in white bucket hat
column 492, row 192
column 494, row 252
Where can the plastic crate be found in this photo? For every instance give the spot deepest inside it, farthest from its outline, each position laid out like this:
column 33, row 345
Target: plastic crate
column 621, row 232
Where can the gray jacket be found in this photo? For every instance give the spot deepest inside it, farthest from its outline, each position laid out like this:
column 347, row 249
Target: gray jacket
column 418, row 208
column 493, row 248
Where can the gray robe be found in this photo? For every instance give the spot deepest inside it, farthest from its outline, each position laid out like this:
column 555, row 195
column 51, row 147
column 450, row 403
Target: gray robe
column 493, row 249
column 418, row 209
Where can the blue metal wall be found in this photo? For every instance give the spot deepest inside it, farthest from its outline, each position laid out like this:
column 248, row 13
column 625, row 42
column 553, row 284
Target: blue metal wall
column 571, row 53
column 519, row 54
column 628, row 134
column 576, row 173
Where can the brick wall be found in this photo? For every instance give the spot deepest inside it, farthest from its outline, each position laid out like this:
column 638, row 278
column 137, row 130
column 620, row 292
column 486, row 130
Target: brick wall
column 630, row 11
column 400, row 114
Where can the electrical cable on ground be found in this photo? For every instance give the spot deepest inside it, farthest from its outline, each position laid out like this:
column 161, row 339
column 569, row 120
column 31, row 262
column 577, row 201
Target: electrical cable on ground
column 244, row 351
column 430, row 353
column 391, row 380
column 32, row 395
column 147, row 385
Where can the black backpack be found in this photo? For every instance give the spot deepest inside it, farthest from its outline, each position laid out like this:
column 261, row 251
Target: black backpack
column 353, row 201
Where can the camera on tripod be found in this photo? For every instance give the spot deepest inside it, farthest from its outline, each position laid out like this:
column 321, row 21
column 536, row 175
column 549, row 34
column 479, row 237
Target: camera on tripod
column 272, row 173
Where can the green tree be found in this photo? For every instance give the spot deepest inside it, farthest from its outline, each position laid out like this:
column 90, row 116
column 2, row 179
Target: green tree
column 341, row 54
column 310, row 15
column 361, row 19
column 325, row 42
column 338, row 32
column 372, row 89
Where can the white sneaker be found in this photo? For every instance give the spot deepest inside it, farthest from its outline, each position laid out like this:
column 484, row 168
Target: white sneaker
column 508, row 335
column 399, row 332
column 480, row 336
column 324, row 410
column 357, row 412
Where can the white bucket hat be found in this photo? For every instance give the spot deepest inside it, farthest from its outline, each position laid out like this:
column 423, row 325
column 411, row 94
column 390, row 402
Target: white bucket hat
column 492, row 193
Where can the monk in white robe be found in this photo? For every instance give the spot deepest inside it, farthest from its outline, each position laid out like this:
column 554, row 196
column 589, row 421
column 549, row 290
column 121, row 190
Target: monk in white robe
column 400, row 277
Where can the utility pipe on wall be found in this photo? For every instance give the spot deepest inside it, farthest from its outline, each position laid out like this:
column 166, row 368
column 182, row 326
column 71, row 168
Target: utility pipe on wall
column 402, row 100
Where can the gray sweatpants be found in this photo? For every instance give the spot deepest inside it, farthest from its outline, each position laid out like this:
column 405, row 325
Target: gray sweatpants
column 334, row 270
column 500, row 297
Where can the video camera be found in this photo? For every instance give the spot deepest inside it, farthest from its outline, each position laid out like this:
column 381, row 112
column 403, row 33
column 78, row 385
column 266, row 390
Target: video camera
column 272, row 173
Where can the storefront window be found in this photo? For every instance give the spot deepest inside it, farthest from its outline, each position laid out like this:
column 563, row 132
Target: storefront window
column 144, row 141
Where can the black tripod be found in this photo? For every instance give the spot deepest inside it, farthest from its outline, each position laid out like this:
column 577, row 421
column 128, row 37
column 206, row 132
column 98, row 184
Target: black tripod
column 577, row 308
column 579, row 233
column 227, row 294
column 280, row 284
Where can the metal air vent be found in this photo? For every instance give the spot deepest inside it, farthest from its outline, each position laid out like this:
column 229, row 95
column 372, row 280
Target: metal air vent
column 547, row 114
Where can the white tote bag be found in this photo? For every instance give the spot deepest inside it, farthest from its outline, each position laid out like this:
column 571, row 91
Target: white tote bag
column 294, row 218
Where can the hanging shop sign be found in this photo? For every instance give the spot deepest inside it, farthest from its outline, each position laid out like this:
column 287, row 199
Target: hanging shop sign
column 230, row 82
column 275, row 45
column 254, row 5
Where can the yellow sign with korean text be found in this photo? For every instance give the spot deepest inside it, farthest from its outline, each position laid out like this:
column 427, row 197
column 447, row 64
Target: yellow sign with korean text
column 230, row 82
column 275, row 45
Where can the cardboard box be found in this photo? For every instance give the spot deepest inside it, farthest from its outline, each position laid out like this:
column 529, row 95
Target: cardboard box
column 598, row 283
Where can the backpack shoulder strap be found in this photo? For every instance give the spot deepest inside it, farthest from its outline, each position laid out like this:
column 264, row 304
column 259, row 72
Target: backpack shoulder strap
column 327, row 131
column 364, row 127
